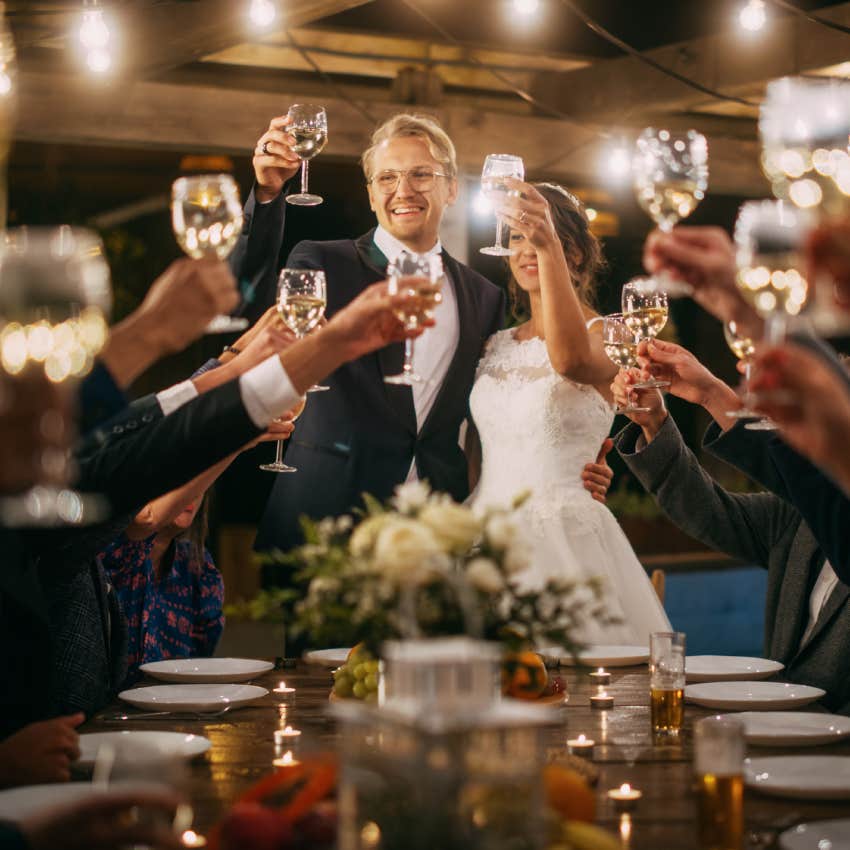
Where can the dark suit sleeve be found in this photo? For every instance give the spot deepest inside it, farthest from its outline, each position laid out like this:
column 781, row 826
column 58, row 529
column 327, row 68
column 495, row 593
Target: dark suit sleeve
column 99, row 398
column 11, row 838
column 144, row 461
column 745, row 525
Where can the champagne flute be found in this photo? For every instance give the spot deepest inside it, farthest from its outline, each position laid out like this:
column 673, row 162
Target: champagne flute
column 278, row 465
column 670, row 172
column 497, row 168
column 301, row 302
column 55, row 293
column 420, row 275
column 621, row 347
column 645, row 312
column 206, row 215
column 744, row 347
column 308, row 124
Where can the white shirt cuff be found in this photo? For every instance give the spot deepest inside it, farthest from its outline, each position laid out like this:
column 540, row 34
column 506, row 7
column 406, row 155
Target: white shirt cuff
column 267, row 391
column 176, row 396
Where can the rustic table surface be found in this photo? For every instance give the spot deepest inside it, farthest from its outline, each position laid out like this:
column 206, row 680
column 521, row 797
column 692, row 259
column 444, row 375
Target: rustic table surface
column 243, row 750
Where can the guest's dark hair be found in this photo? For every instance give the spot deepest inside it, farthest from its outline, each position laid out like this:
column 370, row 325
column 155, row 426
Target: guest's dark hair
column 581, row 248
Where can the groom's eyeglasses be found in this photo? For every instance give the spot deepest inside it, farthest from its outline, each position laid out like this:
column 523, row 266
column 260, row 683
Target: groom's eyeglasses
column 419, row 179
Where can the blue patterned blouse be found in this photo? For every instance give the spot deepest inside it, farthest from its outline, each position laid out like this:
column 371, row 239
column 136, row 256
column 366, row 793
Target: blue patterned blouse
column 176, row 616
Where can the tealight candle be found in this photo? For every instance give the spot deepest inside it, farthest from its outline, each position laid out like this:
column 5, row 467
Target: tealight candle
column 282, row 691
column 625, row 797
column 190, row 838
column 581, row 746
column 601, row 677
column 286, row 736
column 602, row 700
column 286, row 760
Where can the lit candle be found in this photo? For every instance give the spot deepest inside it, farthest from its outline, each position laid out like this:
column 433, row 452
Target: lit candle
column 625, row 797
column 283, row 692
column 286, row 737
column 581, row 746
column 602, row 700
column 286, row 760
column 193, row 839
column 601, row 677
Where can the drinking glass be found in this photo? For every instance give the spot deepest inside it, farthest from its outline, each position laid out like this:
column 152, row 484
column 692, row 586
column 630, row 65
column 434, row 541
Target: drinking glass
column 670, row 173
column 497, row 168
column 419, row 275
column 278, row 465
column 308, row 124
column 645, row 312
column 667, row 683
column 621, row 347
column 55, row 294
column 743, row 347
column 206, row 216
column 302, row 297
column 719, row 771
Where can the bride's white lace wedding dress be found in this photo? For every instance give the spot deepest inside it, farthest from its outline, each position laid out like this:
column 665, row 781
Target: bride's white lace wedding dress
column 537, row 432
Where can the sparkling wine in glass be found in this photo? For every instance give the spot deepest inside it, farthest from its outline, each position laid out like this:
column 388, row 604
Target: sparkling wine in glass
column 54, row 297
column 278, row 465
column 645, row 311
column 670, row 172
column 301, row 302
column 206, row 216
column 621, row 344
column 497, row 168
column 743, row 347
column 421, row 276
column 308, row 125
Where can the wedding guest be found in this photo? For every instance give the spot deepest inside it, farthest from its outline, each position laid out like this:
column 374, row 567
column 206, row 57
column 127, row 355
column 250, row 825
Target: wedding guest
column 807, row 617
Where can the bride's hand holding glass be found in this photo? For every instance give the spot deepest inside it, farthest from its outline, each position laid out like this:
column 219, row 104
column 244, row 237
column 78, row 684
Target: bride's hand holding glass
column 528, row 213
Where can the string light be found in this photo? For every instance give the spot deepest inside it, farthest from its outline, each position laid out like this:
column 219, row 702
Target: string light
column 262, row 13
column 95, row 38
column 753, row 15
column 617, row 162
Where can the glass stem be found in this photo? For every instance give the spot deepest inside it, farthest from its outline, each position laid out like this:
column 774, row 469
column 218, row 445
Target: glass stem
column 304, row 168
column 278, row 452
column 748, row 374
column 498, row 231
column 408, row 357
column 775, row 326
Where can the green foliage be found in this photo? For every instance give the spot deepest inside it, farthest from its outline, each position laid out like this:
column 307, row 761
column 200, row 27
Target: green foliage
column 267, row 606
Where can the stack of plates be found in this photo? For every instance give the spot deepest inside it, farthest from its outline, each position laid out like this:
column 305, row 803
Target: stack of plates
column 769, row 696
column 192, row 697
column 328, row 657
column 729, row 668
column 169, row 743
column 792, row 728
column 599, row 655
column 800, row 777
column 206, row 670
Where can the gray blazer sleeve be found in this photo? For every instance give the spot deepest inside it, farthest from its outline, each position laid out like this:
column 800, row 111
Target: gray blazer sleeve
column 744, row 525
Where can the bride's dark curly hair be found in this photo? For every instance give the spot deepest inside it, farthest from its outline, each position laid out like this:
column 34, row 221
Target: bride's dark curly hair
column 581, row 248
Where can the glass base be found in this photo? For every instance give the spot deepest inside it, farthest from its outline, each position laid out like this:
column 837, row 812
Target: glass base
column 277, row 467
column 743, row 413
column 407, row 379
column 761, row 425
column 497, row 251
column 651, row 384
column 632, row 408
column 305, row 199
column 50, row 506
column 226, row 325
column 317, row 388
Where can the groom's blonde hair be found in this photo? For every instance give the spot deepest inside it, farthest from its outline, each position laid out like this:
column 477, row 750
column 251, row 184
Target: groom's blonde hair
column 422, row 127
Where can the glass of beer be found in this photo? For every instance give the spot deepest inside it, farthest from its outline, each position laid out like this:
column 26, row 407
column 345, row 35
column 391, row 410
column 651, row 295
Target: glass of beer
column 718, row 766
column 667, row 683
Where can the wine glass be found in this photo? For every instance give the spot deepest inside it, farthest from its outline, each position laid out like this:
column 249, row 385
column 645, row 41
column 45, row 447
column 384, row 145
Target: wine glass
column 670, row 172
column 308, row 124
column 301, row 302
column 645, row 312
column 497, row 168
column 421, row 276
column 206, row 216
column 621, row 347
column 743, row 347
column 55, row 293
column 278, row 465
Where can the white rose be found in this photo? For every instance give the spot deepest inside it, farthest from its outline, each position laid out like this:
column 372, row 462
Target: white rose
column 365, row 535
column 455, row 526
column 406, row 551
column 484, row 575
column 516, row 560
column 501, row 531
column 410, row 497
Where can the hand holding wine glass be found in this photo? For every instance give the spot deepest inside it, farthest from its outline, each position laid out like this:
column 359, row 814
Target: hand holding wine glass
column 645, row 312
column 497, row 168
column 308, row 126
column 621, row 345
column 275, row 161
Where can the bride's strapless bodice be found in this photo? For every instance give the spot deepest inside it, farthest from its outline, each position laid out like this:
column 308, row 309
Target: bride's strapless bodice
column 537, row 429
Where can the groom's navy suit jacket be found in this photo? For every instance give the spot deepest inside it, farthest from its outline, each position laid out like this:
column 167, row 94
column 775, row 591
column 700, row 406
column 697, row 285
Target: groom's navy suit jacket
column 362, row 435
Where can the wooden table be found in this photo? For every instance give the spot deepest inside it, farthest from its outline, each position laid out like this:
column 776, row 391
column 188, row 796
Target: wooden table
column 665, row 819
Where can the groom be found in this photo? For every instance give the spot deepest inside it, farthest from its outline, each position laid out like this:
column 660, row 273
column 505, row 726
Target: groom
column 364, row 435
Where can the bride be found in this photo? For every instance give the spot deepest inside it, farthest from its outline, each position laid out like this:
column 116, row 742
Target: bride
column 541, row 404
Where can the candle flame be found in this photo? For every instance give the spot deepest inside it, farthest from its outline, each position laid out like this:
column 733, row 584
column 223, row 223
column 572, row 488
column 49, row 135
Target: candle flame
column 282, row 686
column 625, row 788
column 581, row 739
column 601, row 670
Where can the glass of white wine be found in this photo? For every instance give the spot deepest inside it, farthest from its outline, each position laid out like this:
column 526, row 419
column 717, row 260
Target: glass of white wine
column 206, row 215
column 743, row 347
column 54, row 298
column 645, row 311
column 497, row 168
column 621, row 347
column 302, row 296
column 278, row 465
column 308, row 125
column 420, row 275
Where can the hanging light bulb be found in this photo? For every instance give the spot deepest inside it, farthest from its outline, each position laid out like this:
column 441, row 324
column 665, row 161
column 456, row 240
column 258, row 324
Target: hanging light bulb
column 99, row 61
column 93, row 32
column 262, row 13
column 526, row 7
column 753, row 15
column 617, row 162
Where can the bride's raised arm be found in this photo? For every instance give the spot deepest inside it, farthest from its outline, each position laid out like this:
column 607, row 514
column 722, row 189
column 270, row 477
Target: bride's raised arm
column 558, row 313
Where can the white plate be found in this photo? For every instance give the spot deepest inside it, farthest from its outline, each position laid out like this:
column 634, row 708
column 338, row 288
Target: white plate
column 19, row 803
column 192, row 697
column 602, row 656
column 209, row 670
column 328, row 657
column 769, row 696
column 170, row 743
column 729, row 668
column 792, row 728
column 802, row 777
column 817, row 835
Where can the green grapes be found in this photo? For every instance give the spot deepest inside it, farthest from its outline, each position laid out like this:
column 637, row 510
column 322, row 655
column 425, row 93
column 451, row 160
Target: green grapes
column 358, row 678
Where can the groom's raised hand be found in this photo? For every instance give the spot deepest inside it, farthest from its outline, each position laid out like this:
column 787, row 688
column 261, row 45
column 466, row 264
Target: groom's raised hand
column 597, row 476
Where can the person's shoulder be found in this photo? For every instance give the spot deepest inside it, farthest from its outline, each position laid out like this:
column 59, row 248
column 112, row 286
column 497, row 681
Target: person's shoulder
column 474, row 278
column 324, row 248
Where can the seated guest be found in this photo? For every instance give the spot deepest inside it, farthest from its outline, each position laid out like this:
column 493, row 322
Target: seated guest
column 40, row 752
column 807, row 622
